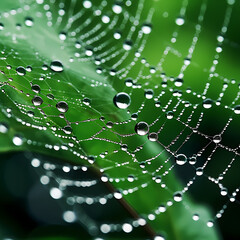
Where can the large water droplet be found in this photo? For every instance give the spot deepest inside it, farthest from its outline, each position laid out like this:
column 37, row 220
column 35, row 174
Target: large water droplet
column 36, row 88
column 21, row 71
column 56, row 66
column 217, row 139
column 37, row 101
column 181, row 159
column 122, row 100
column 62, row 106
column 142, row 128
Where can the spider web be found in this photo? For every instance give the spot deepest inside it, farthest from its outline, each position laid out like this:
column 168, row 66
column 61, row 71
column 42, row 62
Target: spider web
column 186, row 100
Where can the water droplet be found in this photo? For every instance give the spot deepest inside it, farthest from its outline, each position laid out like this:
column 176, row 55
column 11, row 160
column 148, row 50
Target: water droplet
column 199, row 171
column 17, row 140
column 69, row 216
column 146, row 28
column 127, row 45
column 237, row 109
column 29, row 68
column 142, row 128
column 210, row 223
column 180, row 21
column 62, row 36
column 207, row 103
column 117, row 8
column 124, row 147
column 29, row 21
column 153, row 137
column 21, row 71
column 67, row 129
column 86, row 101
column 169, row 115
column 148, row 93
column 187, row 61
column 1, row 26
column 131, row 178
column 181, row 159
column 159, row 237
column 195, row 217
column 122, row 100
column 3, row 127
column 177, row 196
column 87, row 4
column 217, row 139
column 192, row 160
column 117, row 35
column 56, row 193
column 37, row 101
column 129, row 82
column 178, row 82
column 56, row 66
column 224, row 191
column 134, row 116
column 109, row 124
column 62, row 106
column 36, row 88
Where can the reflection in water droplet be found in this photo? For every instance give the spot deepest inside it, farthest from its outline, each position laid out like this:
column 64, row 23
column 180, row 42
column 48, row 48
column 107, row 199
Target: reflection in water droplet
column 56, row 66
column 153, row 137
column 217, row 139
column 142, row 128
column 122, row 100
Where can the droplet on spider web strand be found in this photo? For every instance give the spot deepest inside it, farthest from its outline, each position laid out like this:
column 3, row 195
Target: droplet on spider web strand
column 56, row 66
column 142, row 128
column 122, row 100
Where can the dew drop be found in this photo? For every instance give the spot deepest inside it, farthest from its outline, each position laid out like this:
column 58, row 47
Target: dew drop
column 224, row 191
column 195, row 217
column 181, row 159
column 122, row 100
column 117, row 35
column 148, row 94
column 142, row 128
column 67, row 129
column 17, row 140
column 56, row 66
column 192, row 160
column 117, row 8
column 36, row 88
column 199, row 171
column 62, row 106
column 177, row 196
column 207, row 103
column 62, row 36
column 37, row 101
column 178, row 82
column 153, row 137
column 210, row 223
column 29, row 21
column 170, row 115
column 237, row 109
column 3, row 127
column 217, row 139
column 127, row 45
column 21, row 71
column 180, row 21
column 146, row 28
column 55, row 193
